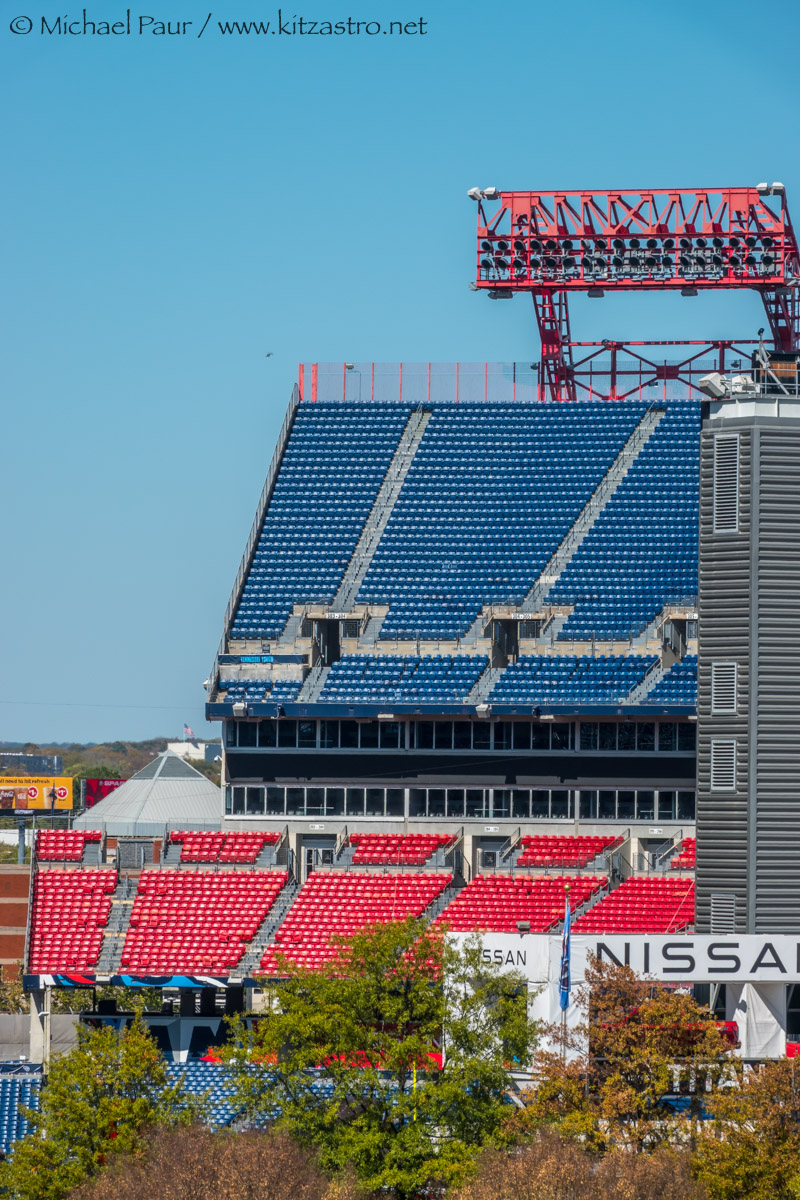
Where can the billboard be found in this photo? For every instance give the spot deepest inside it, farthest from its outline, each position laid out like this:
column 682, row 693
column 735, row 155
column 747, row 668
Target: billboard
column 35, row 792
column 97, row 789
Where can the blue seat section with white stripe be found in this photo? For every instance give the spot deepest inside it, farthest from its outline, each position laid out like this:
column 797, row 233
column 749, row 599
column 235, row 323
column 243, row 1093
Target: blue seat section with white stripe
column 258, row 691
column 678, row 686
column 492, row 491
column 571, row 679
column 402, row 679
column 16, row 1090
column 642, row 552
column 331, row 472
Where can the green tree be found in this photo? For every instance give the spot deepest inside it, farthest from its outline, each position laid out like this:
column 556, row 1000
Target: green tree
column 751, row 1148
column 98, row 1101
column 347, row 1056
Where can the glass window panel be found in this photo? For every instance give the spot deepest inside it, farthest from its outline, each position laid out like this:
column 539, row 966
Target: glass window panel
column 646, row 806
column 287, row 733
column 588, row 735
column 230, row 733
column 501, row 802
column 348, row 736
column 540, row 735
column 402, row 742
column 666, row 806
column 455, row 802
column 482, row 736
column 389, row 735
column 540, row 805
column 417, row 802
column 607, row 806
column 248, row 733
column 646, row 736
column 238, row 801
column 255, row 801
column 329, row 735
column 436, row 802
column 626, row 736
column 687, row 735
column 276, row 801
column 267, row 733
column 315, row 802
column 376, row 801
column 369, row 735
column 667, row 735
column 395, row 802
column 607, row 736
column 334, row 802
column 686, row 806
column 462, row 735
column 502, row 735
column 561, row 735
column 588, row 806
column 443, row 736
column 424, row 735
column 475, row 803
column 520, row 805
column 228, row 800
column 559, row 803
column 307, row 734
column 521, row 735
column 295, row 802
column 354, row 802
column 626, row 806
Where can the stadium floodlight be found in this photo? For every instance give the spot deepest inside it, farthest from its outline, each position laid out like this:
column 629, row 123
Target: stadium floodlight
column 595, row 293
column 498, row 295
column 714, row 385
column 688, row 291
column 474, row 194
column 524, row 926
column 762, row 188
column 240, row 709
column 491, row 193
column 777, row 189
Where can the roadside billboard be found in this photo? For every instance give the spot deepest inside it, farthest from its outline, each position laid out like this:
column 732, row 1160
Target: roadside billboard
column 35, row 792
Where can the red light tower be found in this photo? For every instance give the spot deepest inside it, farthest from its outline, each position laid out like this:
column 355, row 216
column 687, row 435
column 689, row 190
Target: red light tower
column 684, row 239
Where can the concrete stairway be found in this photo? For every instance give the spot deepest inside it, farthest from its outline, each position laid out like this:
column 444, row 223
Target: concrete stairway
column 479, row 693
column 313, row 684
column 381, row 511
column 642, row 690
column 116, row 930
column 265, row 934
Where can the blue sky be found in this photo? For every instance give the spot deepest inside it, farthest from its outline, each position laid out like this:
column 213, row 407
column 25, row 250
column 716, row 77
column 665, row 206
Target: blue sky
column 177, row 207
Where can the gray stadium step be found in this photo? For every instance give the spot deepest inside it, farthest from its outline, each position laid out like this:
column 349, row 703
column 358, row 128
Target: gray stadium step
column 265, row 934
column 115, row 932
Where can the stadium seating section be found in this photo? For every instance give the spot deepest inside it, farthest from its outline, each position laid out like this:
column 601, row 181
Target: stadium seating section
column 685, row 859
column 64, row 845
column 16, row 1090
column 678, row 686
column 491, row 492
column 571, row 679
column 210, row 1082
column 642, row 905
column 259, row 691
column 70, row 909
column 409, row 849
column 238, row 847
column 186, row 921
column 642, row 552
column 409, row 679
column 563, row 851
column 342, row 902
column 495, row 903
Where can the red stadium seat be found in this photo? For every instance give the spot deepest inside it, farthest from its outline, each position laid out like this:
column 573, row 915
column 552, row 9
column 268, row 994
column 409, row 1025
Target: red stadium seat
column 64, row 845
column 70, row 909
column 655, row 904
column 569, row 850
column 495, row 903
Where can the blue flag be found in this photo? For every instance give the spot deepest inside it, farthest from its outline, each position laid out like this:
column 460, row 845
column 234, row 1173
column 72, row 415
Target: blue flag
column 564, row 979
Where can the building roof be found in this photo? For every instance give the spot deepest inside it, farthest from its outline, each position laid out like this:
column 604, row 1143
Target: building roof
column 167, row 792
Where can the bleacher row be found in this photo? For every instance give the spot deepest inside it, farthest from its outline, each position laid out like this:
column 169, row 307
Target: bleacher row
column 491, row 492
column 204, row 921
column 532, row 679
column 209, row 847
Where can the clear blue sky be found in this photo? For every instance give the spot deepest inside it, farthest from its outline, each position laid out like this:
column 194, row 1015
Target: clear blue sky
column 175, row 208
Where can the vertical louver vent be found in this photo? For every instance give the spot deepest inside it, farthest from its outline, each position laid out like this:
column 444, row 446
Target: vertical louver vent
column 723, row 687
column 723, row 765
column 726, row 483
column 723, row 912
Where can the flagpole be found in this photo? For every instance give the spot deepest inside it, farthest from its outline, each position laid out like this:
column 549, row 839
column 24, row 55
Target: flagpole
column 565, row 956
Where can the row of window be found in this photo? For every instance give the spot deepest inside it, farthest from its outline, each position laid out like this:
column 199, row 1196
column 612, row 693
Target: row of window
column 644, row 736
column 479, row 804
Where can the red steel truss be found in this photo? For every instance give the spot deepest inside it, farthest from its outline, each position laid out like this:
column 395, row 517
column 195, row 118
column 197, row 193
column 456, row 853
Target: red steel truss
column 554, row 243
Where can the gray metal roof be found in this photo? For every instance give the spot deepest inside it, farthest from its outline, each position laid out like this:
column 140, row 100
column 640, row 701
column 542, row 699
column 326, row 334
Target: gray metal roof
column 167, row 792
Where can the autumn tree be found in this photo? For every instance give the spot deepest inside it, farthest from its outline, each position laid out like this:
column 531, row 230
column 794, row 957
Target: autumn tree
column 346, row 1059
column 98, row 1101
